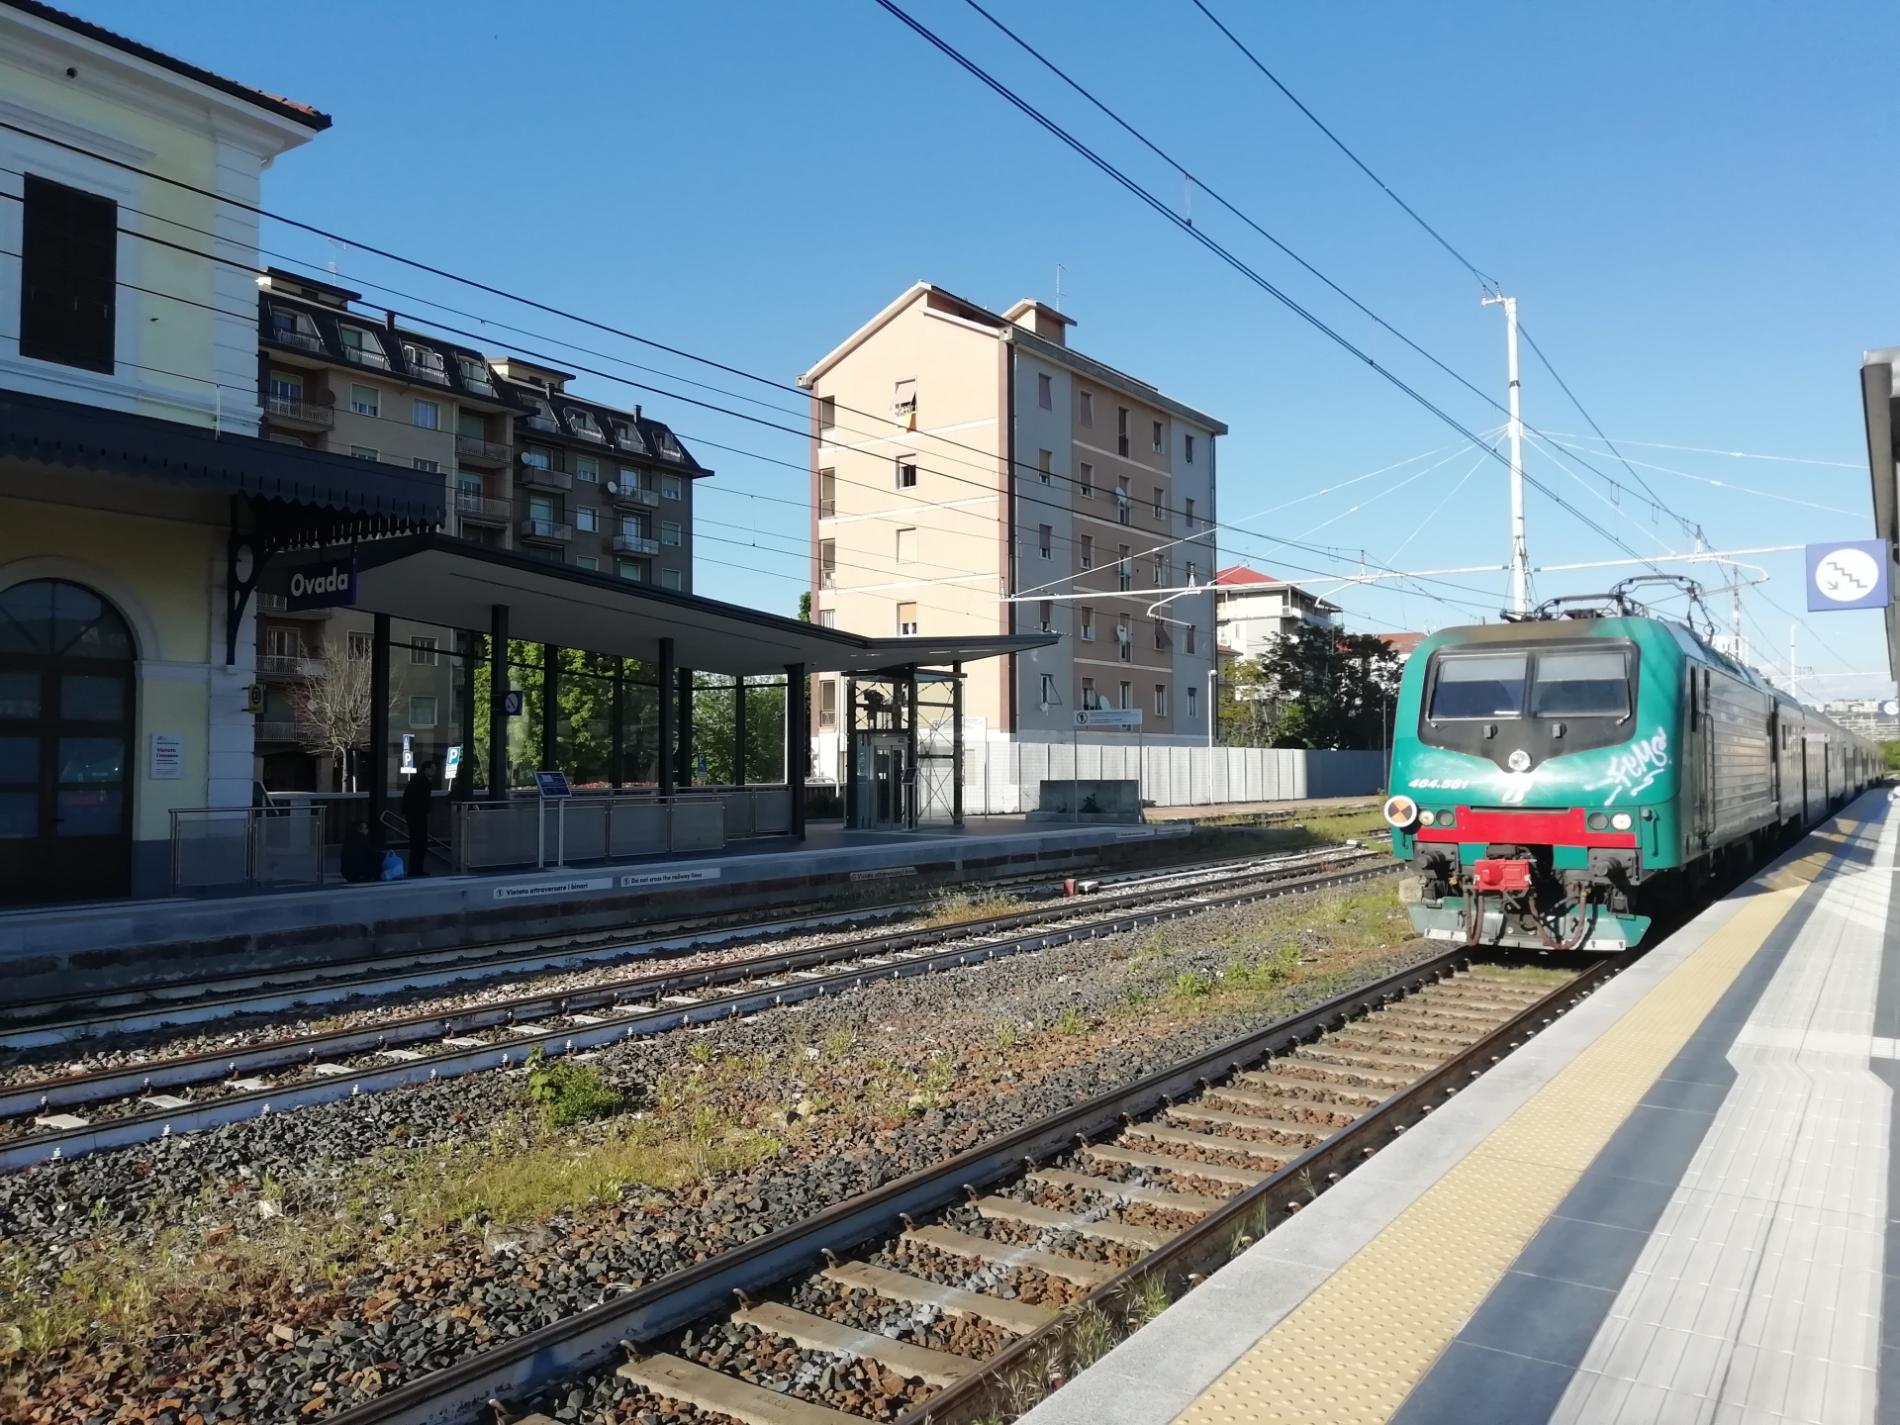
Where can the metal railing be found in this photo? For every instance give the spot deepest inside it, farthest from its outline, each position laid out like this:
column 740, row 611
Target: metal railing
column 540, row 422
column 302, row 340
column 635, row 544
column 276, row 730
column 294, row 665
column 367, row 356
column 546, row 477
column 286, row 409
column 527, row 831
column 634, row 495
column 235, row 847
column 625, row 439
column 534, row 527
column 475, row 447
column 581, row 432
column 478, row 383
column 475, row 507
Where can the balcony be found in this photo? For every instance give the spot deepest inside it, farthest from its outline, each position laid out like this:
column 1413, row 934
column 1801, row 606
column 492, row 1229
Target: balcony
column 480, row 385
column 367, row 356
column 297, row 339
column 545, row 477
column 633, row 496
column 472, row 507
column 429, row 373
column 635, row 544
column 626, row 438
column 307, row 414
column 540, row 421
column 274, row 605
column 287, row 665
column 544, row 531
column 585, row 432
column 477, row 451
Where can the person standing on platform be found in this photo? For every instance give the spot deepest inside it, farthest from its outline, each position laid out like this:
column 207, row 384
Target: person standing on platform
column 416, row 800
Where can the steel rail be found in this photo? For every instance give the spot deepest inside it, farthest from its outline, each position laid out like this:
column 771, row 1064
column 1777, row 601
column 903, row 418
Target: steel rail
column 26, row 1150
column 28, row 1023
column 514, row 1370
column 1197, row 1252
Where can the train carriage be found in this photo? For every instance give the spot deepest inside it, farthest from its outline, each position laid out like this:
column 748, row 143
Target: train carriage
column 1558, row 780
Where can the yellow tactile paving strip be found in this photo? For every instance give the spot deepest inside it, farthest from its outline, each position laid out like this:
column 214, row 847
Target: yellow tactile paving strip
column 1353, row 1350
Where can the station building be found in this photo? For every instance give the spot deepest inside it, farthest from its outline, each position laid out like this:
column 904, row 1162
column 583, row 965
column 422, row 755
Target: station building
column 180, row 451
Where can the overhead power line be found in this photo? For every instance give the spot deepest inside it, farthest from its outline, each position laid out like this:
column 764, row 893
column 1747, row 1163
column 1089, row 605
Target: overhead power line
column 1689, row 527
column 1344, row 148
column 1159, row 206
column 988, row 463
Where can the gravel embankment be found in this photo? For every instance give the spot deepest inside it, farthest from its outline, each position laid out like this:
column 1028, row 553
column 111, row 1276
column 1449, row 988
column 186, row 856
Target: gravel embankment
column 294, row 1265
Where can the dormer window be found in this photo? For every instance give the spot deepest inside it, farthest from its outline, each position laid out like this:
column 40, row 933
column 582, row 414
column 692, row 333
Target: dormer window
column 582, row 425
column 669, row 447
column 292, row 328
column 541, row 417
column 425, row 362
column 475, row 375
column 627, row 437
column 362, row 346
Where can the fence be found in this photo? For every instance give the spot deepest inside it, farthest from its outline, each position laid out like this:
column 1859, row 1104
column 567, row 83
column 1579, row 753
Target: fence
column 527, row 831
column 216, row 848
column 1004, row 776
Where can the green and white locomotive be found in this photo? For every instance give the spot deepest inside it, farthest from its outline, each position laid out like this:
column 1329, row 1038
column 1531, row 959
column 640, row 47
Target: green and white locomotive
column 1558, row 780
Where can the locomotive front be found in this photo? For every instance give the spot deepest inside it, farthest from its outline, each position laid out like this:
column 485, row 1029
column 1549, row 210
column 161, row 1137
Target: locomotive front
column 1534, row 781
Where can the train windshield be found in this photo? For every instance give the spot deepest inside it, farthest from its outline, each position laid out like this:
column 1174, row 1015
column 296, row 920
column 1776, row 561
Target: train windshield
column 1581, row 683
column 1479, row 685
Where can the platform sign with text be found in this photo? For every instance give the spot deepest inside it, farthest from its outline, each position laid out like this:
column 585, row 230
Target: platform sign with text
column 1107, row 719
column 1849, row 574
column 552, row 785
column 323, row 584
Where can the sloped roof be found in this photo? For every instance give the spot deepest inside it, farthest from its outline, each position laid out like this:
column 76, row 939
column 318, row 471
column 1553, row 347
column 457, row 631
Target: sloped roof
column 275, row 103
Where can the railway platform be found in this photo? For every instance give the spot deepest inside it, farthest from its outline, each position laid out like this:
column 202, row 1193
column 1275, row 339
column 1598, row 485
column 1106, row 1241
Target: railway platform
column 1676, row 1203
column 113, row 946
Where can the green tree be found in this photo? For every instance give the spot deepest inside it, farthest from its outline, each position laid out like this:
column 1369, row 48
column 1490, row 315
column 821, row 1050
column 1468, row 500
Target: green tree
column 1318, row 688
column 804, row 607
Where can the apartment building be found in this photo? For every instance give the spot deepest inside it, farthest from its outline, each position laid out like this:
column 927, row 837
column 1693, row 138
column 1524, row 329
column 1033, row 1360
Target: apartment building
column 597, row 487
column 1254, row 610
column 962, row 456
column 522, row 464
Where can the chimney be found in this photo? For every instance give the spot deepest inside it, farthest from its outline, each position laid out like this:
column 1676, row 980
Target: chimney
column 636, row 411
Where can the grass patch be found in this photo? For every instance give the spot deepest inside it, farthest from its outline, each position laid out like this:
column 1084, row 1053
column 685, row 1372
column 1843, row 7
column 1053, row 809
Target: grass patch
column 568, row 1092
column 522, row 1173
column 1072, row 1021
column 954, row 907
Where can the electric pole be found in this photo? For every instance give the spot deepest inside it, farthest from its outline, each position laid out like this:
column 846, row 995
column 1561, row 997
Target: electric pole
column 1520, row 554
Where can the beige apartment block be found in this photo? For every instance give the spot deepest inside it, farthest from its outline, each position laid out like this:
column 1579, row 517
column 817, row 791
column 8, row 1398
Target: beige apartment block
column 962, row 456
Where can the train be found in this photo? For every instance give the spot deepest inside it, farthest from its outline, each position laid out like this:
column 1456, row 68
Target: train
column 1561, row 780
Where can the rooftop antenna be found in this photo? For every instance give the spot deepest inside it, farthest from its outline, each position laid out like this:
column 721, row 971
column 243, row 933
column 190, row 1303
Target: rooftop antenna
column 1059, row 271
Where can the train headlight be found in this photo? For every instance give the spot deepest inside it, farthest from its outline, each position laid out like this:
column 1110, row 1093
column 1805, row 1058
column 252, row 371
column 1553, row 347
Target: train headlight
column 1428, row 817
column 1400, row 812
column 1621, row 821
column 1596, row 821
column 1447, row 819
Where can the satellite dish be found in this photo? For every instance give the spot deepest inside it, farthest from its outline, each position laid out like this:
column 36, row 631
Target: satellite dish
column 612, row 488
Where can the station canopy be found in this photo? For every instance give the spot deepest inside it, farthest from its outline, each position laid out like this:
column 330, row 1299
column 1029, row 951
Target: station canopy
column 434, row 579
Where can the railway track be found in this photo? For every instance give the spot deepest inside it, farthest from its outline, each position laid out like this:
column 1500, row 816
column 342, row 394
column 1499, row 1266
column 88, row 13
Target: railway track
column 956, row 1294
column 37, row 1023
column 133, row 1103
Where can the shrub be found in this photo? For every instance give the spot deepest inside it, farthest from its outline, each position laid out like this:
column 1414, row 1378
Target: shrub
column 569, row 1092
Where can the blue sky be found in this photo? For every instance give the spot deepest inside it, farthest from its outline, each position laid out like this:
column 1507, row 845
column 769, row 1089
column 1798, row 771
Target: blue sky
column 1684, row 199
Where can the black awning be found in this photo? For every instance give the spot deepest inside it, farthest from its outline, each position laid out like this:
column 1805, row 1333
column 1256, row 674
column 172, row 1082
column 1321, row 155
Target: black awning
column 450, row 582
column 81, row 437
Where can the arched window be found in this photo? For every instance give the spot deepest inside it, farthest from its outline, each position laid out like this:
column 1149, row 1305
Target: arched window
column 66, row 743
column 52, row 618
